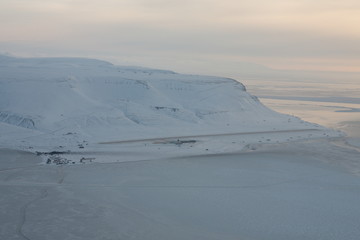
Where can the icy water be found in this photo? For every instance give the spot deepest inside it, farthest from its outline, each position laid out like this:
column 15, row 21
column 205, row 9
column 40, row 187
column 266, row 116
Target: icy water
column 331, row 104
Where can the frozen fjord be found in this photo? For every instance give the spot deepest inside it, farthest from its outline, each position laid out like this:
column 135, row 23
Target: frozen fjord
column 289, row 191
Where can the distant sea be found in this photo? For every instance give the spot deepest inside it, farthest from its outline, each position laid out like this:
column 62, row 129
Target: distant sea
column 328, row 103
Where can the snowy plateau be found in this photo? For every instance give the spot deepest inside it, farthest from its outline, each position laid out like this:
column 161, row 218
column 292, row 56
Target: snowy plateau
column 62, row 103
column 90, row 150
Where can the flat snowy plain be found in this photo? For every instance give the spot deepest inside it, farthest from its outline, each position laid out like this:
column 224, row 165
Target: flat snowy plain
column 198, row 158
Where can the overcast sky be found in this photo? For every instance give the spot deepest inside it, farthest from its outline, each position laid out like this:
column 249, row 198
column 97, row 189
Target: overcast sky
column 204, row 36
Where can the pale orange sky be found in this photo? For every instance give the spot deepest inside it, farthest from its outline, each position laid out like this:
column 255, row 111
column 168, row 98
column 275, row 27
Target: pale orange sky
column 188, row 35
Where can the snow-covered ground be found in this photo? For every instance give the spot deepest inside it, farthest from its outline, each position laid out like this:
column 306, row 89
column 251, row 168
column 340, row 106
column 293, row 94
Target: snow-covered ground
column 298, row 190
column 219, row 164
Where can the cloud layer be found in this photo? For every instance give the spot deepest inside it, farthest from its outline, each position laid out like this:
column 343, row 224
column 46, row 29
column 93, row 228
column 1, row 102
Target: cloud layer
column 183, row 34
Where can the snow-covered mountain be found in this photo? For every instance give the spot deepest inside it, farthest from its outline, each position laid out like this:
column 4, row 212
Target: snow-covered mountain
column 275, row 184
column 67, row 100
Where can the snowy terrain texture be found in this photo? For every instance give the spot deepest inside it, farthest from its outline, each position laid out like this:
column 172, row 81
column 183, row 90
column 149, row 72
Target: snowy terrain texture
column 220, row 165
column 65, row 101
